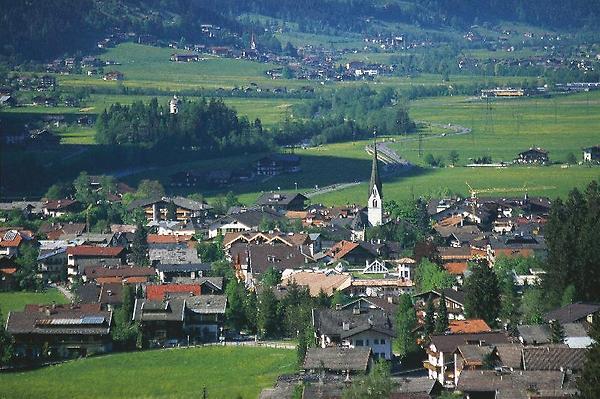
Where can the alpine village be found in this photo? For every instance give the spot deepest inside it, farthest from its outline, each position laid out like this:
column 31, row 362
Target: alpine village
column 300, row 200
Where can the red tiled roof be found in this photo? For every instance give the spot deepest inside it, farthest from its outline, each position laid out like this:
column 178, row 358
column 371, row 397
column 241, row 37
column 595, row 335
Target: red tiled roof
column 59, row 204
column 470, row 326
column 456, row 267
column 342, row 248
column 15, row 242
column 10, row 270
column 158, row 292
column 90, row 250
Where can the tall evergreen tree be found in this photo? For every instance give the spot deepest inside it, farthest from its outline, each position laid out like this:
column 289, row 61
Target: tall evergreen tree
column 406, row 322
column 557, row 332
column 235, row 313
column 589, row 379
column 429, row 325
column 269, row 321
column 171, row 211
column 6, row 344
column 251, row 311
column 441, row 322
column 482, row 294
column 139, row 246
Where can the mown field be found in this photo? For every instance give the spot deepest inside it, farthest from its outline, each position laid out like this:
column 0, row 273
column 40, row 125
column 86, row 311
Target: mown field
column 503, row 128
column 16, row 301
column 226, row 372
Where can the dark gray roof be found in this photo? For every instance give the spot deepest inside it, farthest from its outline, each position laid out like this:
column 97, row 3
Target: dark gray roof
column 348, row 322
column 171, row 310
column 535, row 334
column 449, row 343
column 173, row 254
column 207, row 304
column 263, row 256
column 181, row 202
column 415, row 385
column 253, row 217
column 60, row 320
column 510, row 355
column 279, row 198
column 88, row 293
column 518, row 381
column 573, row 312
column 475, row 353
column 338, row 359
column 375, row 179
column 182, row 267
column 553, row 358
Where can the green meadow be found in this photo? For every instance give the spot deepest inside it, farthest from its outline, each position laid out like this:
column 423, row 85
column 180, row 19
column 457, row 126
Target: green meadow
column 16, row 301
column 226, row 373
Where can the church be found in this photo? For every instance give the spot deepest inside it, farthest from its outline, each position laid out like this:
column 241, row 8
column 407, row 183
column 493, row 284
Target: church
column 372, row 215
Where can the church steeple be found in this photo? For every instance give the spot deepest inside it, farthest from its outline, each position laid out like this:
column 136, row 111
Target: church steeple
column 375, row 180
column 375, row 205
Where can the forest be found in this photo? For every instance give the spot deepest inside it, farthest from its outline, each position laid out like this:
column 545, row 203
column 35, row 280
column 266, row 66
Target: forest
column 41, row 30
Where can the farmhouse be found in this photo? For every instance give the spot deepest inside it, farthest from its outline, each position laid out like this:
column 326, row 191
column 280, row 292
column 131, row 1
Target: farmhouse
column 356, row 327
column 276, row 164
column 185, row 57
column 591, row 154
column 282, row 201
column 157, row 208
column 533, row 156
column 67, row 330
column 78, row 258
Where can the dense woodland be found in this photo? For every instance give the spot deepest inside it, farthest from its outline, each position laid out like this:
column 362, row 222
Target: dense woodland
column 41, row 30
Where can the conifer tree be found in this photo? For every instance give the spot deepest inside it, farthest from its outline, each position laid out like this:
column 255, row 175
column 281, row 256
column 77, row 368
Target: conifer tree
column 171, row 211
column 441, row 322
column 139, row 247
column 557, row 332
column 429, row 325
column 589, row 379
column 482, row 294
column 268, row 315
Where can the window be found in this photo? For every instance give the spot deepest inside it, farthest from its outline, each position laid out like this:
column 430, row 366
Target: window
column 374, row 203
column 367, row 342
column 382, row 342
column 375, row 342
column 358, row 342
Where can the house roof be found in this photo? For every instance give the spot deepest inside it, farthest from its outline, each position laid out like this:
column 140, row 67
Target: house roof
column 59, row 205
column 468, row 326
column 449, row 343
column 573, row 312
column 456, row 296
column 90, row 250
column 169, row 239
column 456, row 268
column 279, row 198
column 170, row 310
column 349, row 322
column 183, row 267
column 207, row 304
column 173, row 254
column 11, row 239
column 263, row 256
column 510, row 355
column 164, row 291
column 338, row 359
column 535, row 334
column 95, row 272
column 553, row 358
column 474, row 355
column 60, row 319
column 316, row 282
column 517, row 382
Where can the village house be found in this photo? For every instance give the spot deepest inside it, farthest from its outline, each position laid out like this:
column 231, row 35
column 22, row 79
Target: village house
column 244, row 220
column 205, row 317
column 12, row 239
column 591, row 154
column 67, row 331
column 579, row 312
column 180, row 253
column 318, row 282
column 441, row 350
column 167, row 272
column 455, row 302
column 52, row 259
column 379, row 287
column 356, row 327
column 533, row 156
column 276, row 164
column 117, row 274
column 338, row 360
column 61, row 207
column 156, row 209
column 282, row 201
column 80, row 257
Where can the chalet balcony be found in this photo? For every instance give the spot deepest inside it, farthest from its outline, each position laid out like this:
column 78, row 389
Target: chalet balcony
column 431, row 367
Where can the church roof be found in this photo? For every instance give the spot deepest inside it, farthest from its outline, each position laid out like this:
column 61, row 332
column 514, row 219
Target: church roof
column 375, row 179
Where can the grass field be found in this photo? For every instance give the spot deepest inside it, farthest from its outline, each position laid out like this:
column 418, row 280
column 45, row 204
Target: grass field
column 226, row 372
column 561, row 125
column 17, row 300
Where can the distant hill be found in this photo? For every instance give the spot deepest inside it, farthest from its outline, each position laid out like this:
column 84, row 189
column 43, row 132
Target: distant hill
column 49, row 28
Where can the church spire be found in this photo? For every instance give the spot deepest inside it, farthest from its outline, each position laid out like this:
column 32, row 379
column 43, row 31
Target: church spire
column 375, row 179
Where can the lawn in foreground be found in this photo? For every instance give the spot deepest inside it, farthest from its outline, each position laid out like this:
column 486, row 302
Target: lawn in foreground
column 226, row 372
column 17, row 300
